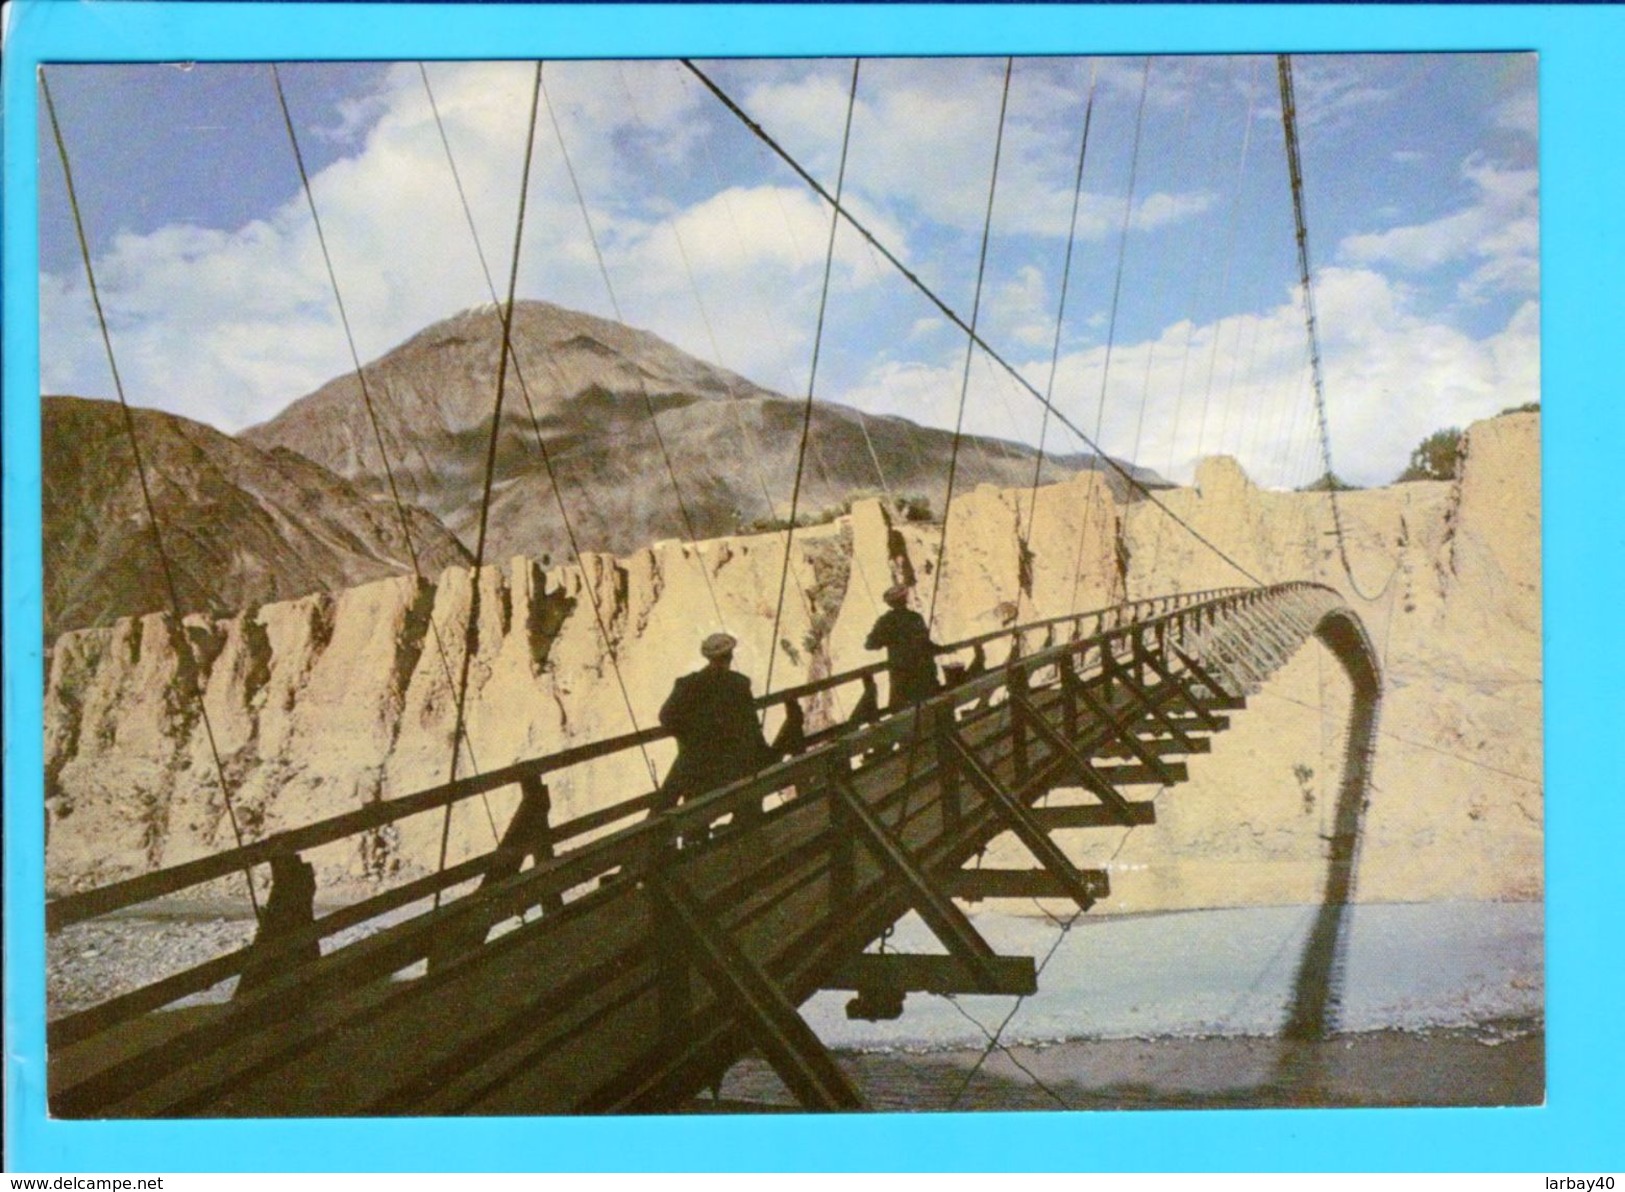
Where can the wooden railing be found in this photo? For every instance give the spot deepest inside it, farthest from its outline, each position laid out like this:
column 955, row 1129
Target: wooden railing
column 1079, row 663
column 74, row 908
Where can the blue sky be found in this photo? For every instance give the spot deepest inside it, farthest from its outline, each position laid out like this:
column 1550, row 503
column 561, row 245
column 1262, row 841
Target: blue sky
column 1421, row 194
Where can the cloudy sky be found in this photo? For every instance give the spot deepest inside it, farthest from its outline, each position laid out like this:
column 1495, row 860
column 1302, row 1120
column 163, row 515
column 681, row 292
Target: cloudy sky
column 1182, row 333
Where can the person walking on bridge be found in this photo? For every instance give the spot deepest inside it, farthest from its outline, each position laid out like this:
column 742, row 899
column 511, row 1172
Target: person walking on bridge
column 910, row 654
column 713, row 717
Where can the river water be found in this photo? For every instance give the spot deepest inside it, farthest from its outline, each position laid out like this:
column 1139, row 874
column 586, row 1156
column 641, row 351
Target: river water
column 1436, row 1004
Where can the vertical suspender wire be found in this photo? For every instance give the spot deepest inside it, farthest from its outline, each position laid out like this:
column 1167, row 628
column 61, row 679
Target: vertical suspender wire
column 745, row 433
column 536, row 428
column 1229, row 255
column 1161, row 284
column 1224, row 276
column 959, row 321
column 970, row 346
column 184, row 655
column 471, row 630
column 344, row 319
column 1289, row 124
column 1060, row 308
column 812, row 377
column 1111, row 327
column 648, row 403
column 361, row 381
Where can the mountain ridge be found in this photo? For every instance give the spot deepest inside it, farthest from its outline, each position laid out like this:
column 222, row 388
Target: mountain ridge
column 241, row 525
column 644, row 442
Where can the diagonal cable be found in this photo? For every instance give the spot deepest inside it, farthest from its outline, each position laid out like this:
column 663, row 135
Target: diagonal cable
column 471, row 629
column 970, row 343
column 366, row 391
column 536, row 428
column 954, row 317
column 182, row 643
column 1060, row 309
column 812, row 380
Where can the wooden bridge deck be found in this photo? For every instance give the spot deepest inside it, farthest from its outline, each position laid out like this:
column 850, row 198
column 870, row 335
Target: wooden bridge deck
column 626, row 973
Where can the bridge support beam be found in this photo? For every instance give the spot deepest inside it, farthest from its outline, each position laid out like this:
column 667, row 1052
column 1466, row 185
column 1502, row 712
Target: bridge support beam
column 947, row 922
column 904, row 973
column 782, row 1035
column 977, row 884
column 1221, row 697
column 1019, row 819
column 1092, row 782
column 1126, row 736
column 1094, row 815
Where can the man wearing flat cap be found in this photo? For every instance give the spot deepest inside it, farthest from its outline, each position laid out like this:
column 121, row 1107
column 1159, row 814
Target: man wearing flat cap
column 710, row 712
column 910, row 659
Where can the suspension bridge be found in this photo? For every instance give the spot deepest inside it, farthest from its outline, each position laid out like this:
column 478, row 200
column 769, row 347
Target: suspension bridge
column 623, row 960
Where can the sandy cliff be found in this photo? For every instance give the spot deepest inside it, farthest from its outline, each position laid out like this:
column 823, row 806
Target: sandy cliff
column 330, row 701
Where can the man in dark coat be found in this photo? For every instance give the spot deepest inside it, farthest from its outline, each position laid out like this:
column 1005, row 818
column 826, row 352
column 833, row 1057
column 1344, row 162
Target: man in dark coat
column 910, row 661
column 710, row 712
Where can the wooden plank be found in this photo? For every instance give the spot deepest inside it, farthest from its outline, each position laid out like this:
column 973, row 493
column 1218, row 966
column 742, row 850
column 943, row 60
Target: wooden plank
column 1093, row 815
column 1029, row 833
column 947, row 922
column 1161, row 747
column 912, row 973
column 1167, row 774
column 976, row 884
column 783, row 1036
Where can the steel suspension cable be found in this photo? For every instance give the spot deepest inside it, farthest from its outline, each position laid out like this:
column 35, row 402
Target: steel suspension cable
column 471, row 629
column 1122, row 247
column 1223, row 288
column 1160, row 286
column 366, row 391
column 755, row 452
column 648, row 402
column 970, row 344
column 1111, row 327
column 1289, row 124
column 344, row 319
column 812, row 375
column 1229, row 255
column 536, row 428
column 182, row 643
column 954, row 317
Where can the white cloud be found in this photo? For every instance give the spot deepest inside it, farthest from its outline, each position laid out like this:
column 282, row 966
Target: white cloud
column 230, row 325
column 1521, row 113
column 1241, row 387
column 1332, row 91
column 1499, row 229
column 923, row 137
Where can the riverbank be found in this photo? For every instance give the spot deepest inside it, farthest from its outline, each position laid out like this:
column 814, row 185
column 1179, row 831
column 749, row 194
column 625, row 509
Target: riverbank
column 1433, row 1004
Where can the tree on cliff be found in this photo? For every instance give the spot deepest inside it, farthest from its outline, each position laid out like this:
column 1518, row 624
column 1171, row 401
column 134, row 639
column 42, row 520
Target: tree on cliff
column 1329, row 482
column 1437, row 457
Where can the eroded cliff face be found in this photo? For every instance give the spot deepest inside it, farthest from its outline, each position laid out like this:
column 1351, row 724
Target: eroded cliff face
column 322, row 704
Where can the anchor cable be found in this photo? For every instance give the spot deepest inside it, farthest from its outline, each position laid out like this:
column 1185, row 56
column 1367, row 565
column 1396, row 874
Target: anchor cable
column 1289, row 125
